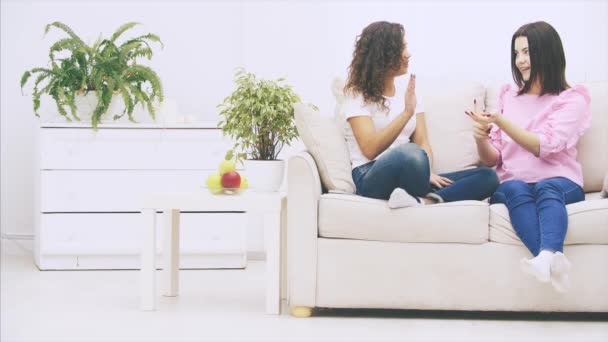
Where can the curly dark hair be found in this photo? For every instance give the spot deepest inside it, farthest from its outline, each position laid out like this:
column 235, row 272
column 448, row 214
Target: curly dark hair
column 378, row 51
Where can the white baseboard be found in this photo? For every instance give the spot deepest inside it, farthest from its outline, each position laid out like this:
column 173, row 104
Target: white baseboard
column 132, row 262
column 12, row 236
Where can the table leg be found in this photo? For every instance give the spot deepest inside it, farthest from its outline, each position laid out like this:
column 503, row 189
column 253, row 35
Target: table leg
column 272, row 244
column 148, row 264
column 170, row 256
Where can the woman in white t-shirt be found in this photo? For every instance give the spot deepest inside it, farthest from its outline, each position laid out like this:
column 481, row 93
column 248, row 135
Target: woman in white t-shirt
column 386, row 132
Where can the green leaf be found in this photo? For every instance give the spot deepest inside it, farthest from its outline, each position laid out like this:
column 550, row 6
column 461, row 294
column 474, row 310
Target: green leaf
column 64, row 28
column 122, row 30
column 24, row 78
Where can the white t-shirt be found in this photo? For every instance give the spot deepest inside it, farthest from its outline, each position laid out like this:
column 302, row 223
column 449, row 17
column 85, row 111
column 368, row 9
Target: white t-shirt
column 355, row 106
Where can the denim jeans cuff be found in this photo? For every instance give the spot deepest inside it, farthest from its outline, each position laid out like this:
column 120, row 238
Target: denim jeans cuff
column 434, row 197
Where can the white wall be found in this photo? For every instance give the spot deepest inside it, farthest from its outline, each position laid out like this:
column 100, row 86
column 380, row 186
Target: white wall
column 308, row 42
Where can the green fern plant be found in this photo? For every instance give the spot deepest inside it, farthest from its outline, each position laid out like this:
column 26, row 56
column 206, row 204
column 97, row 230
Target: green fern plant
column 107, row 68
column 65, row 76
column 115, row 70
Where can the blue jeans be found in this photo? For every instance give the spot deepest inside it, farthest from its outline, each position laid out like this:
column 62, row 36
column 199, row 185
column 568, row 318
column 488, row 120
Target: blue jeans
column 407, row 167
column 538, row 210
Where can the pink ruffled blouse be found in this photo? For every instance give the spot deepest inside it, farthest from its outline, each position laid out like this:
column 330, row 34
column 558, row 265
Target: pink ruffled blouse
column 559, row 120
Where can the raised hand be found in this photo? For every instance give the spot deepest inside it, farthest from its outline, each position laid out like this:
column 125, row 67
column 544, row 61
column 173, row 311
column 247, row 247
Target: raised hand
column 410, row 95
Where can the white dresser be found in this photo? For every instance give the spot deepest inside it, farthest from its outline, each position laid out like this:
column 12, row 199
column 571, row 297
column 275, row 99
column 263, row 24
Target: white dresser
column 89, row 189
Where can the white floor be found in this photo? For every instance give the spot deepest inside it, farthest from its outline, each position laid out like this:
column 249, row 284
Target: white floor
column 221, row 305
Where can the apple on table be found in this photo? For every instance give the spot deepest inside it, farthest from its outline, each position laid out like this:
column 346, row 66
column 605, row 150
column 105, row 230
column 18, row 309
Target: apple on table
column 231, row 179
column 227, row 178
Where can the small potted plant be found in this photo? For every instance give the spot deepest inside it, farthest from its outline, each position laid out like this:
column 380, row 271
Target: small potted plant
column 86, row 80
column 259, row 116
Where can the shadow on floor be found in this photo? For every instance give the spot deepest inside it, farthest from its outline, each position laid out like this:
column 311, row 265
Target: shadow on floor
column 457, row 315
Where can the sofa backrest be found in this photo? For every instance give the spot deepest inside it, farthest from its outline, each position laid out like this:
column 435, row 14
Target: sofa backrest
column 593, row 146
column 449, row 130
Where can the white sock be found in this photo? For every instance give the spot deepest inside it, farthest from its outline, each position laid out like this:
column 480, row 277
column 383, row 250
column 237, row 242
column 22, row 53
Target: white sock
column 401, row 199
column 539, row 266
column 560, row 268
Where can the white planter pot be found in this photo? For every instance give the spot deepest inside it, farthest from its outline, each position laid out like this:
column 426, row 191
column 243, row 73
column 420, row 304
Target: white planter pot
column 140, row 114
column 85, row 107
column 265, row 175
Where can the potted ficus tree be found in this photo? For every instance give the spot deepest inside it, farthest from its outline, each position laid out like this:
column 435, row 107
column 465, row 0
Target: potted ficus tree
column 93, row 81
column 259, row 116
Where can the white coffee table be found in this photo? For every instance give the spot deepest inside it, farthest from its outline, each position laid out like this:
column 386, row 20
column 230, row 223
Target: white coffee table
column 268, row 204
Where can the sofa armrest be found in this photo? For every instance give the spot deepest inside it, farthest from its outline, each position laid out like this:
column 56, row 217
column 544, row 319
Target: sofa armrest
column 303, row 192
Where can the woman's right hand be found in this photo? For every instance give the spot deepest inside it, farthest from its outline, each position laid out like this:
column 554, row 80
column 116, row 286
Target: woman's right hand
column 410, row 95
column 481, row 125
column 481, row 130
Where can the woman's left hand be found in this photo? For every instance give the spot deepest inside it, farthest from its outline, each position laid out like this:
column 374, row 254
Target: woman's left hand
column 483, row 117
column 439, row 181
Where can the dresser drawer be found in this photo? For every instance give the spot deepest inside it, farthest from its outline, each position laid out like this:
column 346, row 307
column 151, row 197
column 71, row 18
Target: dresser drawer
column 112, row 190
column 126, row 149
column 122, row 233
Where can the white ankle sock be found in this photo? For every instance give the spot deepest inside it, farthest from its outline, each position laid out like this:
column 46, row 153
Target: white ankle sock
column 560, row 269
column 539, row 266
column 401, row 199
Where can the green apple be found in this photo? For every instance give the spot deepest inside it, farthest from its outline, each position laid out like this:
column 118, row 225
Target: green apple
column 214, row 183
column 227, row 166
column 244, row 183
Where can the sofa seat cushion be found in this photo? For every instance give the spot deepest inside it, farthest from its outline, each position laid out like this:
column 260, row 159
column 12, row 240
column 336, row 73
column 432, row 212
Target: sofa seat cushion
column 356, row 217
column 587, row 223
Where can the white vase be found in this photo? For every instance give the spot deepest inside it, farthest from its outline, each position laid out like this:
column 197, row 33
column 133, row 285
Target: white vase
column 265, row 175
column 140, row 114
column 85, row 106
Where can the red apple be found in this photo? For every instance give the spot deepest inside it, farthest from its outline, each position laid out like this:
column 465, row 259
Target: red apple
column 231, row 179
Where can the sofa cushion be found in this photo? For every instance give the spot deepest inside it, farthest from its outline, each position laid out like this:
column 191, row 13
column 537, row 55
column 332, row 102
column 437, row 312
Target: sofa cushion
column 325, row 142
column 450, row 131
column 593, row 146
column 587, row 223
column 361, row 218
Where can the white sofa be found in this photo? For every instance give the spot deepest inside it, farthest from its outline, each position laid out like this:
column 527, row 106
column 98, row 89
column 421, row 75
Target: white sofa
column 347, row 251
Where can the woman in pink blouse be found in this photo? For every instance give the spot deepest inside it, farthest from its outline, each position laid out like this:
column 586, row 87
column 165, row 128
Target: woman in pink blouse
column 532, row 143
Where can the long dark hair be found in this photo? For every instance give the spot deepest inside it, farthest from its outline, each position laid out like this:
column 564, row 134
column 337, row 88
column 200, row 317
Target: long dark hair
column 547, row 59
column 378, row 50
